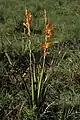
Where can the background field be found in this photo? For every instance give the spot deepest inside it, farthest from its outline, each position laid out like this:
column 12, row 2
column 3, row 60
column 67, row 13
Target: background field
column 64, row 89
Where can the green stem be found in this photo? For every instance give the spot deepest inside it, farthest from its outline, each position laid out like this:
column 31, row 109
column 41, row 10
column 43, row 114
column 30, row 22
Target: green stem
column 32, row 82
column 41, row 76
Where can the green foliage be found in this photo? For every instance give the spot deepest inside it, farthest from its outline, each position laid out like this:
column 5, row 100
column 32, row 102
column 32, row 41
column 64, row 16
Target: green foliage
column 63, row 90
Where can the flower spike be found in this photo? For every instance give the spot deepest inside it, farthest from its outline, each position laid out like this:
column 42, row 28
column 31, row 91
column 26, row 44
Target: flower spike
column 28, row 19
column 45, row 47
column 49, row 30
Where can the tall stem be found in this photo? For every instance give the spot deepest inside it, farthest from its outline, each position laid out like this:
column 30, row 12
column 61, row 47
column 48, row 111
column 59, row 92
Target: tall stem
column 30, row 52
column 41, row 76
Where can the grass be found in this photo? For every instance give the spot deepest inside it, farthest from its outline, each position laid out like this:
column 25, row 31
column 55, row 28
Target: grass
column 64, row 83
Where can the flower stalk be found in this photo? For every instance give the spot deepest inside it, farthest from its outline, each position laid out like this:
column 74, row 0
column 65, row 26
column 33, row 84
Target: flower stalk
column 48, row 34
column 28, row 21
column 37, row 78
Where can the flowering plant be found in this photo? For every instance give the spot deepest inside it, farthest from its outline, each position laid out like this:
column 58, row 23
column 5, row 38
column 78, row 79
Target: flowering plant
column 38, row 82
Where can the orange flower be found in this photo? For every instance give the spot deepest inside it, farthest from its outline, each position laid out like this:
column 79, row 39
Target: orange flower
column 49, row 33
column 28, row 19
column 45, row 46
column 49, row 30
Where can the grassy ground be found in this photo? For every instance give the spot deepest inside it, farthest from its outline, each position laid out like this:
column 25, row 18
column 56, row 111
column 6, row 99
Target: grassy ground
column 64, row 83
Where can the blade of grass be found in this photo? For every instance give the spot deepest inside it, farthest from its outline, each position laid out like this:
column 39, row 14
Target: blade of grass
column 8, row 58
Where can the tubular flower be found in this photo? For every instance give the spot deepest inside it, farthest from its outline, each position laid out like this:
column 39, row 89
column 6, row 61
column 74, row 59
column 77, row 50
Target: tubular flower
column 28, row 19
column 45, row 47
column 49, row 30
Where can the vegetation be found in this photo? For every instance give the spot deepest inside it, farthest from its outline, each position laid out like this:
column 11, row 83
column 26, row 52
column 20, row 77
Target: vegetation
column 23, row 56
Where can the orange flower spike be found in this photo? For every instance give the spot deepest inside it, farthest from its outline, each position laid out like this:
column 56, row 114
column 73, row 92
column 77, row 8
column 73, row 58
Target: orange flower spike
column 45, row 47
column 49, row 33
column 28, row 17
column 49, row 30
